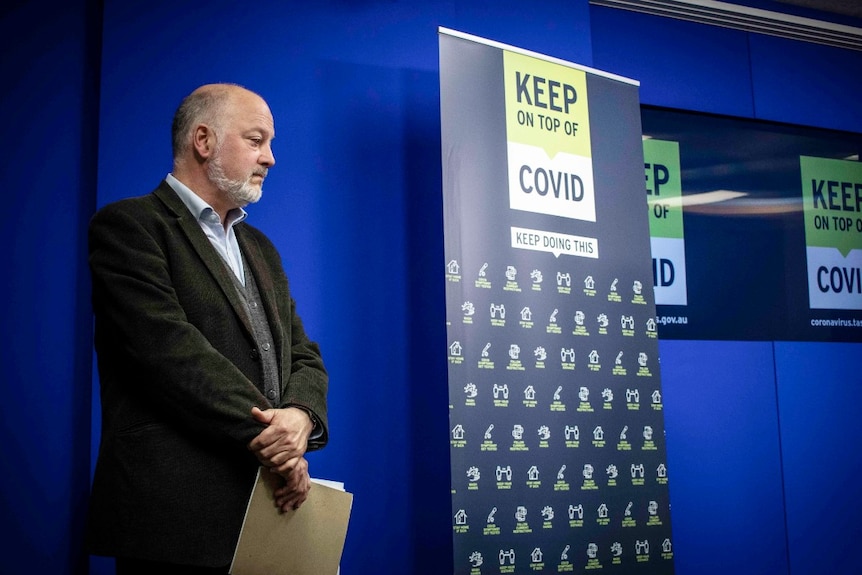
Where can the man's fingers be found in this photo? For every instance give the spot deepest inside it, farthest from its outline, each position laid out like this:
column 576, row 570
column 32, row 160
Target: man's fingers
column 284, row 436
column 296, row 486
column 261, row 416
column 265, row 437
column 288, row 468
column 292, row 500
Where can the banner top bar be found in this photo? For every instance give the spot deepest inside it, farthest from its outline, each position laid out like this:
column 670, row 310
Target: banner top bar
column 494, row 44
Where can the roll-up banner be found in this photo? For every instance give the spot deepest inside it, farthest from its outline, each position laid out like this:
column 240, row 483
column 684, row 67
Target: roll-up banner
column 556, row 424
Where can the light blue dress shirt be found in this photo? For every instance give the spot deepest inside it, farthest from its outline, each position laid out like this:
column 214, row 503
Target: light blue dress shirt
column 223, row 239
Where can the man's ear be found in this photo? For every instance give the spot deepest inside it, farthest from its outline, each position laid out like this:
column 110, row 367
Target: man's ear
column 204, row 141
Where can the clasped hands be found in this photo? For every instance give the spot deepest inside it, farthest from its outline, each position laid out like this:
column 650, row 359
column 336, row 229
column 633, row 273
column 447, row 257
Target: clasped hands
column 281, row 448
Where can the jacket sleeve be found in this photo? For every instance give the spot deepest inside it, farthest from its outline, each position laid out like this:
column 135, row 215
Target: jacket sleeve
column 308, row 381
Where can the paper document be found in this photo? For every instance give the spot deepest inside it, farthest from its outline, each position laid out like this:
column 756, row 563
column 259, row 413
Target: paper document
column 308, row 541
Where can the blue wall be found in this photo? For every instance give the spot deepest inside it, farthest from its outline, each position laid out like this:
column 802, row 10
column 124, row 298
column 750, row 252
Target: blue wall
column 354, row 205
column 48, row 174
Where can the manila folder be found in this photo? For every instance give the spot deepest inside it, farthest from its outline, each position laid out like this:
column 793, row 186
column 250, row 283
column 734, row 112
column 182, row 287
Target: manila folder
column 307, row 541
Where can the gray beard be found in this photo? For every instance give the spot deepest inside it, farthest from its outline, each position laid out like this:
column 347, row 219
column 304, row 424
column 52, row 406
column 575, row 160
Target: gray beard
column 240, row 192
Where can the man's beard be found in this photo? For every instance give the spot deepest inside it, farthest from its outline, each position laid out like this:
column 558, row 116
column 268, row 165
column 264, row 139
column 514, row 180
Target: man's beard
column 240, row 192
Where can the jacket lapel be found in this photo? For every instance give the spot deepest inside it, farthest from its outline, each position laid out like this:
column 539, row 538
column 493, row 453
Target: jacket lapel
column 201, row 244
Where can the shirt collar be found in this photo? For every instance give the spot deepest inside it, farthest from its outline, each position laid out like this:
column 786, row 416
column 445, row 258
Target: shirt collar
column 198, row 207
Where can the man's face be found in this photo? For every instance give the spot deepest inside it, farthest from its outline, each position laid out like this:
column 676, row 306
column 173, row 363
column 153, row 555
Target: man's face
column 243, row 152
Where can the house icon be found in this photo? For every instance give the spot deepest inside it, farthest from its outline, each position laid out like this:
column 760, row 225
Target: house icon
column 533, row 473
column 656, row 396
column 598, row 433
column 589, row 282
column 594, row 357
column 526, row 314
column 453, row 267
column 458, row 432
column 530, row 393
column 461, row 517
column 650, row 324
column 455, row 349
column 536, row 555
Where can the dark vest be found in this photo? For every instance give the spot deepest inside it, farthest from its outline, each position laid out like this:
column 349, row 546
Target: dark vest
column 262, row 334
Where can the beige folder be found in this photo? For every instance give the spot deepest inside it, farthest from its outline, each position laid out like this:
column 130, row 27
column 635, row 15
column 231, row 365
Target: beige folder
column 308, row 541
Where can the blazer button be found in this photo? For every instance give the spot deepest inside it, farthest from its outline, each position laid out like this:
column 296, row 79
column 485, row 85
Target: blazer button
column 254, row 354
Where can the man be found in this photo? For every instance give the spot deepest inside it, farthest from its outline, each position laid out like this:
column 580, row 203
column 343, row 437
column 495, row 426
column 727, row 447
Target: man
column 205, row 369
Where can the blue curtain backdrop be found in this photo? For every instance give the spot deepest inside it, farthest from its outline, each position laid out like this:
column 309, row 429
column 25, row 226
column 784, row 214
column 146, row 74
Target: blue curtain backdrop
column 354, row 205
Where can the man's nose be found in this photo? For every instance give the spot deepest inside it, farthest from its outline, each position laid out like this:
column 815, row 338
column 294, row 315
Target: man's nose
column 267, row 158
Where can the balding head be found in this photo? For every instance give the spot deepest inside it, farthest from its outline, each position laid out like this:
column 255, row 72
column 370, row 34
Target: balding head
column 206, row 105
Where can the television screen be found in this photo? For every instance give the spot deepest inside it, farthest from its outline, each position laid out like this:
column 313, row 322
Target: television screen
column 756, row 228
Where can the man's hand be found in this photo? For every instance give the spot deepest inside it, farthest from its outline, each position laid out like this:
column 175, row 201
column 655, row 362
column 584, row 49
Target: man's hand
column 295, row 489
column 282, row 444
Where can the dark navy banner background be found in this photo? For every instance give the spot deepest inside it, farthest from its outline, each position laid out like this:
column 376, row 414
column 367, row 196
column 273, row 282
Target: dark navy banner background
column 556, row 422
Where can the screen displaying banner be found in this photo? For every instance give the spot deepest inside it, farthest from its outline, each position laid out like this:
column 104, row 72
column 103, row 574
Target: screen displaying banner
column 756, row 228
column 664, row 195
column 832, row 201
column 556, row 414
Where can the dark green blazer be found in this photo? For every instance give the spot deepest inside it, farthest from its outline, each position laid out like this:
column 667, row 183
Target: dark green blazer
column 179, row 374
